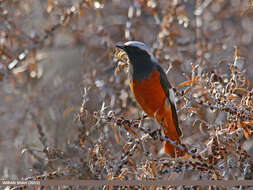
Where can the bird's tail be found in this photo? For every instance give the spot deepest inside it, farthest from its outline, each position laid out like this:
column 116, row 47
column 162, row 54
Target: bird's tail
column 172, row 150
column 171, row 132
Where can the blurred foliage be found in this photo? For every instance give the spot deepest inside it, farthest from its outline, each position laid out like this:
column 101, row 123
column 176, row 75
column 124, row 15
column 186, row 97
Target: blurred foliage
column 50, row 50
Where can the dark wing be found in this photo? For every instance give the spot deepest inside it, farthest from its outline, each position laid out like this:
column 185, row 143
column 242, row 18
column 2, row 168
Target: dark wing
column 170, row 97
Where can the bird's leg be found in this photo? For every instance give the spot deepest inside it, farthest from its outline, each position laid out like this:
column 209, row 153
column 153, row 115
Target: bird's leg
column 143, row 116
column 156, row 134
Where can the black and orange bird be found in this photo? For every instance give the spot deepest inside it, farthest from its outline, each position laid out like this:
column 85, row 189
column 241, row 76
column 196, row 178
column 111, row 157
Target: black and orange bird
column 152, row 91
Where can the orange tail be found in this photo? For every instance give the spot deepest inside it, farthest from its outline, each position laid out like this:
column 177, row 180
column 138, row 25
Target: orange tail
column 172, row 150
column 171, row 132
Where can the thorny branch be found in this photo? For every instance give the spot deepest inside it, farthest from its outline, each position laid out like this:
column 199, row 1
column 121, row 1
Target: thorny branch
column 193, row 41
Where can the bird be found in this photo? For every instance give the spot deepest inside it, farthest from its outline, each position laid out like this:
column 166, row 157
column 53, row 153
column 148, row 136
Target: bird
column 152, row 91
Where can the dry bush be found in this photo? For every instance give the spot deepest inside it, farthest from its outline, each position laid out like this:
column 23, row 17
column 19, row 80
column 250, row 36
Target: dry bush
column 52, row 49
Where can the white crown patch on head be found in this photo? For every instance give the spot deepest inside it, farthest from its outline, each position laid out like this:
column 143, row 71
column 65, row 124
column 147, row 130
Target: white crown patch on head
column 141, row 46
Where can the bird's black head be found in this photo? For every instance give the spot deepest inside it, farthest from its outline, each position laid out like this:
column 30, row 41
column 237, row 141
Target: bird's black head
column 141, row 59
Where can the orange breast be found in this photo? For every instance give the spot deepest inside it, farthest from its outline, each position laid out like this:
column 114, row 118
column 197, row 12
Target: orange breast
column 149, row 93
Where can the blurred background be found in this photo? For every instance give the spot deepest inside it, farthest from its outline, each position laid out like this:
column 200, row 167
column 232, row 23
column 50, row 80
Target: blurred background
column 57, row 56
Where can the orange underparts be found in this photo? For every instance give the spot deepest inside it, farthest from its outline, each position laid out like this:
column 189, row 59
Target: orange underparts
column 150, row 96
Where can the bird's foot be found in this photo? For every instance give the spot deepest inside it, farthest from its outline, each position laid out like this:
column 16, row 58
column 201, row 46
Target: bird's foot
column 156, row 134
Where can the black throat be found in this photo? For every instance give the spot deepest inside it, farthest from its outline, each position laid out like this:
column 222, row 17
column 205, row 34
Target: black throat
column 141, row 65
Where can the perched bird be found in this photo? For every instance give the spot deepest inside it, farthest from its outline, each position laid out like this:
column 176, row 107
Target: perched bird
column 152, row 91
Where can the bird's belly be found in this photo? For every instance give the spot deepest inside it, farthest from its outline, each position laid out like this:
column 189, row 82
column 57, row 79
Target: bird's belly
column 149, row 93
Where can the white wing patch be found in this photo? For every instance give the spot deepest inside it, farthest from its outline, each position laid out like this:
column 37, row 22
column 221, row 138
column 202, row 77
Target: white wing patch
column 172, row 97
column 141, row 46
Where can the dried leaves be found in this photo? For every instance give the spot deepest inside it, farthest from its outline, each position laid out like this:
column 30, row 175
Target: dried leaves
column 190, row 39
